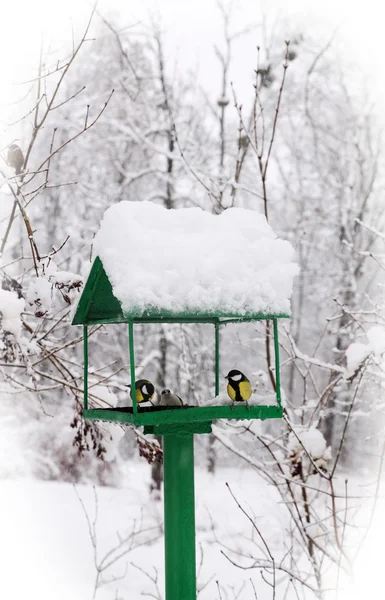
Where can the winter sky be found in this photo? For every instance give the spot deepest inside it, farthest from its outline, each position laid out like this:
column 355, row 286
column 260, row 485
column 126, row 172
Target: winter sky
column 191, row 29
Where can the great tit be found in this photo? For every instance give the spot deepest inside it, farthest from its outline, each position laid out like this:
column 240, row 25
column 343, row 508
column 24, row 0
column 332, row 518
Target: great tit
column 167, row 398
column 144, row 391
column 238, row 387
column 15, row 158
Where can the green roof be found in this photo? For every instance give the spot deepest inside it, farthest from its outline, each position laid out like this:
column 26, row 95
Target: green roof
column 98, row 304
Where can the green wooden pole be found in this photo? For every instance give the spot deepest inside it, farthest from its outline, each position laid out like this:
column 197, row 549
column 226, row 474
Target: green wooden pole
column 217, row 339
column 277, row 371
column 132, row 364
column 85, row 350
column 179, row 516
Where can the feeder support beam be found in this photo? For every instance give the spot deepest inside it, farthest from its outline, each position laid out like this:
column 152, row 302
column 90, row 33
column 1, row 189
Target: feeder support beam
column 179, row 516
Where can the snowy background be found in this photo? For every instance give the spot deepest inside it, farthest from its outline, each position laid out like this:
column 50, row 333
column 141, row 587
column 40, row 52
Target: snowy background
column 205, row 109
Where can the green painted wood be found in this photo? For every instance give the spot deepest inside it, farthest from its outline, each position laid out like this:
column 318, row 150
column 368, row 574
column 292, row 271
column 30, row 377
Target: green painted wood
column 97, row 299
column 185, row 318
column 183, row 415
column 85, row 353
column 148, row 430
column 248, row 318
column 179, row 428
column 98, row 304
column 179, row 517
column 277, row 366
column 157, row 316
column 132, row 365
column 217, row 340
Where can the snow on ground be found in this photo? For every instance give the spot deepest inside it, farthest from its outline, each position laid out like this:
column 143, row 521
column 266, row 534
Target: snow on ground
column 256, row 400
column 191, row 260
column 368, row 573
column 363, row 545
column 46, row 550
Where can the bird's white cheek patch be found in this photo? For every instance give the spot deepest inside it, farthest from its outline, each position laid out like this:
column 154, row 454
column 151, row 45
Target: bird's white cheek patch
column 236, row 377
column 144, row 389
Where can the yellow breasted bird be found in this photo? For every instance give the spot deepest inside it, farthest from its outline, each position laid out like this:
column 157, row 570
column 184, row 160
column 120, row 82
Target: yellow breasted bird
column 238, row 387
column 144, row 391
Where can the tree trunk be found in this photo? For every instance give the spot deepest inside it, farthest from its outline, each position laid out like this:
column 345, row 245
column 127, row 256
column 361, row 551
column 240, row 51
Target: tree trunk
column 348, row 298
column 211, row 455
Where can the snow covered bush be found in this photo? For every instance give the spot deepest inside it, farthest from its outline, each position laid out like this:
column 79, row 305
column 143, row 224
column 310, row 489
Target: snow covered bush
column 307, row 452
column 11, row 308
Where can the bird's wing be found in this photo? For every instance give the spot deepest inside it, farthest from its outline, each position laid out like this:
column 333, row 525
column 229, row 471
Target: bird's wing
column 139, row 396
column 231, row 391
column 245, row 389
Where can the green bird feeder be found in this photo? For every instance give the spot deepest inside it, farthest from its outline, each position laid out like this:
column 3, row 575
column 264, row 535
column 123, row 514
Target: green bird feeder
column 107, row 298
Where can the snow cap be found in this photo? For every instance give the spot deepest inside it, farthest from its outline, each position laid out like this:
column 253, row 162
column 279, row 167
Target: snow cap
column 189, row 260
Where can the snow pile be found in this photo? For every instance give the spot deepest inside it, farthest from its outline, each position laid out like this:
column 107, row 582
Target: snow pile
column 256, row 400
column 191, row 260
column 311, row 439
column 358, row 352
column 48, row 291
column 39, row 296
column 305, row 442
column 66, row 282
column 11, row 308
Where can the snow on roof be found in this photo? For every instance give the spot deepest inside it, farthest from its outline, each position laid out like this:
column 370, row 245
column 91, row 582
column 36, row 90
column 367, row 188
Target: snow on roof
column 189, row 260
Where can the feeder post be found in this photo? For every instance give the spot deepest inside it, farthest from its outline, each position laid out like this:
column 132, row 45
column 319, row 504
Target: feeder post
column 217, row 339
column 277, row 371
column 179, row 516
column 132, row 365
column 85, row 351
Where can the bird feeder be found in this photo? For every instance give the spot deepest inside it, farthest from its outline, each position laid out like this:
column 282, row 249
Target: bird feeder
column 182, row 266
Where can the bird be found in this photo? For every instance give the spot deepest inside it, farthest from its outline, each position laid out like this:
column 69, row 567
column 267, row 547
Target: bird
column 167, row 398
column 144, row 391
column 238, row 387
column 15, row 158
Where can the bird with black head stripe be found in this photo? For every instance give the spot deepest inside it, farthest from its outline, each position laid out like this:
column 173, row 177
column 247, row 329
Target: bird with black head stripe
column 144, row 391
column 238, row 387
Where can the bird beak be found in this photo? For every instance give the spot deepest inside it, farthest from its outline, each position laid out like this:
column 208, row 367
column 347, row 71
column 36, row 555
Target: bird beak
column 225, row 377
